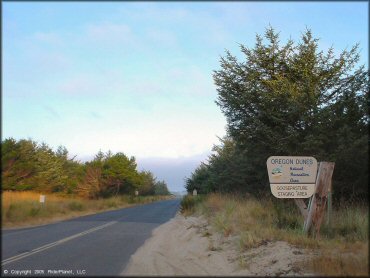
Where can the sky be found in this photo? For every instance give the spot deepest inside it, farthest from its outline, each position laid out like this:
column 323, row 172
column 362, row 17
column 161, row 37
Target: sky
column 136, row 77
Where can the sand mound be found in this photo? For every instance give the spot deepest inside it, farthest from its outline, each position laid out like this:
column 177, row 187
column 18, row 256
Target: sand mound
column 188, row 246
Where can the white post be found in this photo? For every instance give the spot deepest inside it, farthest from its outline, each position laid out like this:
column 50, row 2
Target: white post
column 42, row 199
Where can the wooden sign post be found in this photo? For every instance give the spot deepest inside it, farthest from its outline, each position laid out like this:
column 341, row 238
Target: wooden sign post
column 319, row 199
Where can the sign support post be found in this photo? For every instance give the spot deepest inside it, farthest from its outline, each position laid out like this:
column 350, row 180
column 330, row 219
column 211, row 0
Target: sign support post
column 319, row 199
column 302, row 207
column 329, row 206
column 42, row 200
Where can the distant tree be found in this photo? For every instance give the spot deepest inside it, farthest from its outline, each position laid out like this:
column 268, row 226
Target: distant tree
column 119, row 174
column 147, row 183
column 19, row 164
column 200, row 180
column 50, row 171
column 225, row 171
column 91, row 187
column 31, row 166
column 160, row 188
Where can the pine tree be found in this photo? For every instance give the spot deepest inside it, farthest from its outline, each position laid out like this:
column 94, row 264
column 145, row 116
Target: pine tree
column 293, row 99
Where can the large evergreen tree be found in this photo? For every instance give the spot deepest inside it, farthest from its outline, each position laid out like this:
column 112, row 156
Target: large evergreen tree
column 295, row 99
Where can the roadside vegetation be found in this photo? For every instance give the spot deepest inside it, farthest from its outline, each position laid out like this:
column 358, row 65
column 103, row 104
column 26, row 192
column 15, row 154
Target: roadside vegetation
column 341, row 250
column 71, row 187
column 29, row 165
column 291, row 99
column 24, row 208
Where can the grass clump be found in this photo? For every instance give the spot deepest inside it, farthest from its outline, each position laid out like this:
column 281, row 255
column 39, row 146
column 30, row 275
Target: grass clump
column 189, row 203
column 76, row 206
column 351, row 262
column 349, row 221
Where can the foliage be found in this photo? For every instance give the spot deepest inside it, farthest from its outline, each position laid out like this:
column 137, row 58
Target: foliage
column 289, row 99
column 27, row 165
column 189, row 202
column 160, row 188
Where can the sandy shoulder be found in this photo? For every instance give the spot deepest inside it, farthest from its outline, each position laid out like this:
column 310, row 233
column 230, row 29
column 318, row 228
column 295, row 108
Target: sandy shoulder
column 188, row 246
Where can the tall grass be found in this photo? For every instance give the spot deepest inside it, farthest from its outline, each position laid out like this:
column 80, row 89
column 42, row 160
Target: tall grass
column 24, row 208
column 257, row 221
column 349, row 260
column 189, row 204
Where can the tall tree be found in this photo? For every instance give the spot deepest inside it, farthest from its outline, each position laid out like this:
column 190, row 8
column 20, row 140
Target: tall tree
column 160, row 188
column 294, row 99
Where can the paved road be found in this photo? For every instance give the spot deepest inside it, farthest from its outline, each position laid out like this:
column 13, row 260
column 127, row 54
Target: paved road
column 94, row 245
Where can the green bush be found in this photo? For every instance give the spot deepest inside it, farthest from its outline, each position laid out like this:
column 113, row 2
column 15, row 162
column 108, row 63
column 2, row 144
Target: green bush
column 24, row 187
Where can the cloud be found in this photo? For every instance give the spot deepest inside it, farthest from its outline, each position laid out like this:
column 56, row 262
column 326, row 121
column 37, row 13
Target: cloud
column 49, row 38
column 154, row 12
column 173, row 79
column 108, row 32
column 163, row 37
column 92, row 82
column 172, row 170
column 203, row 23
column 165, row 134
column 52, row 62
column 79, row 85
column 192, row 81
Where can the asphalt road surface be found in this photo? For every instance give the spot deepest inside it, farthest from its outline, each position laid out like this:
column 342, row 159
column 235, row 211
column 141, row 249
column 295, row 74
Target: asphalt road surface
column 94, row 245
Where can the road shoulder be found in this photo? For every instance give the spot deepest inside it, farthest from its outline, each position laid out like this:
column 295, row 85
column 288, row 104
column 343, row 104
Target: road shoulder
column 189, row 246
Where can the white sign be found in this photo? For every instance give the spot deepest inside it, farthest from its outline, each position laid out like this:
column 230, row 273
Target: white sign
column 136, row 193
column 42, row 198
column 195, row 192
column 292, row 176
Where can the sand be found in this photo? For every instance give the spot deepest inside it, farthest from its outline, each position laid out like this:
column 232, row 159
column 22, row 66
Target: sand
column 188, row 246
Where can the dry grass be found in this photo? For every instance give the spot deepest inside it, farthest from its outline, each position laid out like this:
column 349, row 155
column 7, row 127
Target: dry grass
column 352, row 261
column 259, row 221
column 24, row 208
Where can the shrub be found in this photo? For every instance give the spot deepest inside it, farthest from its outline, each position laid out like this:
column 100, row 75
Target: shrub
column 189, row 202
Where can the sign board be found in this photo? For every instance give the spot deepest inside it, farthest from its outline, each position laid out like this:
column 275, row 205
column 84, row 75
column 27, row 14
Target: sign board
column 136, row 193
column 42, row 198
column 195, row 193
column 292, row 176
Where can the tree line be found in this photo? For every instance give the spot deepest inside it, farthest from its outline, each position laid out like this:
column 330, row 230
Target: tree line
column 289, row 99
column 28, row 165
